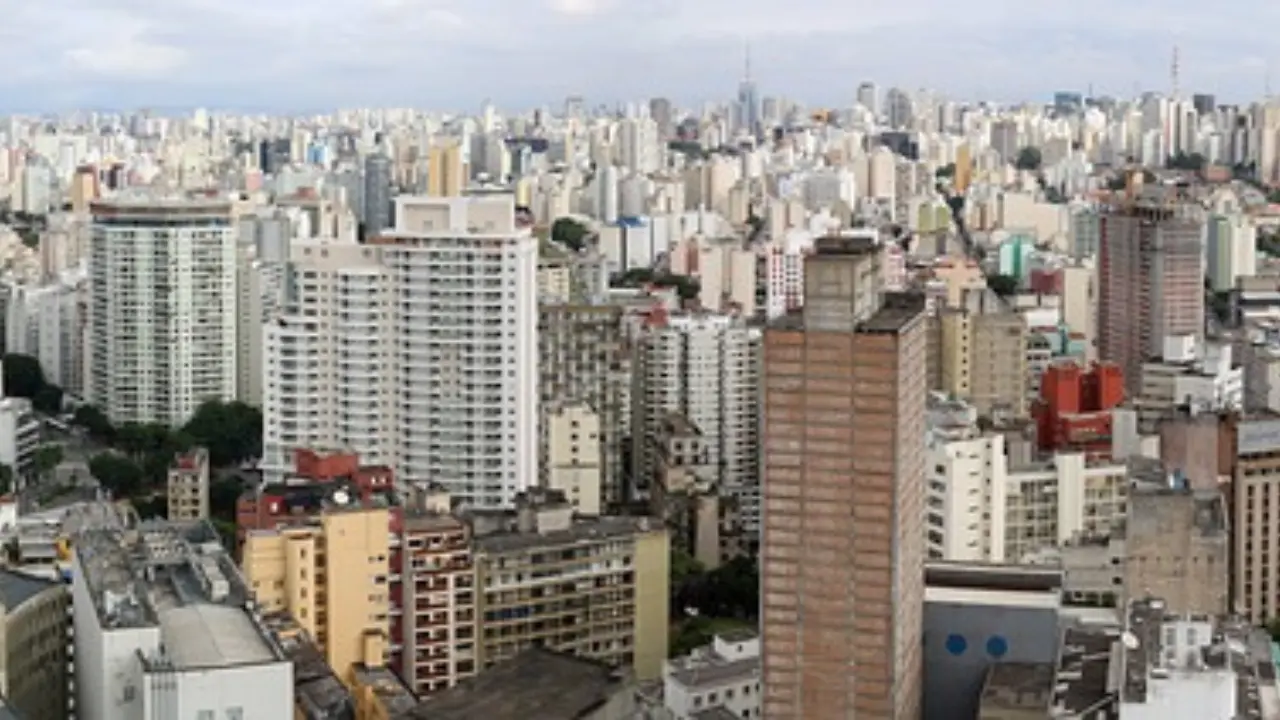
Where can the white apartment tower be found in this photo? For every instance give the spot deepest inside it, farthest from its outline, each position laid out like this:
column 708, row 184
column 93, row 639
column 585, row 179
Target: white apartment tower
column 417, row 350
column 161, row 330
column 707, row 368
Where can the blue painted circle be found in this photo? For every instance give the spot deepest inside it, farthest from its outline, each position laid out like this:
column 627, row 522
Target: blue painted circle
column 956, row 644
column 997, row 646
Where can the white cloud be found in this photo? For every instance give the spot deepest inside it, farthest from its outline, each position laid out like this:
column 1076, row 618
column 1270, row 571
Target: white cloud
column 320, row 53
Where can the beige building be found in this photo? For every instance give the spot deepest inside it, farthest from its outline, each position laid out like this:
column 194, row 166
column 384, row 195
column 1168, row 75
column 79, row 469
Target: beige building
column 983, row 355
column 842, row 557
column 582, row 358
column 703, row 521
column 332, row 576
column 596, row 588
column 188, row 486
column 1255, row 582
column 446, row 173
column 572, row 462
column 33, row 679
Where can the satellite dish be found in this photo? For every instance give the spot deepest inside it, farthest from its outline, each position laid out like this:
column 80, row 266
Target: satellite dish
column 1130, row 640
column 341, row 497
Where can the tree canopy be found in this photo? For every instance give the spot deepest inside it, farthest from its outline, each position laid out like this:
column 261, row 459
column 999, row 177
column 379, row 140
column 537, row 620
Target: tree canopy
column 1003, row 285
column 1184, row 161
column 117, row 474
column 232, row 432
column 570, row 233
column 24, row 378
column 686, row 287
column 946, row 171
column 1029, row 158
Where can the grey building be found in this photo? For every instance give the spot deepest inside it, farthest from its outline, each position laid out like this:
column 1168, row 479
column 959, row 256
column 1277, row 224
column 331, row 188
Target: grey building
column 377, row 194
column 583, row 358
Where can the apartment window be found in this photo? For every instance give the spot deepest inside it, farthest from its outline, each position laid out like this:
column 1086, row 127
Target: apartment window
column 235, row 713
column 205, row 715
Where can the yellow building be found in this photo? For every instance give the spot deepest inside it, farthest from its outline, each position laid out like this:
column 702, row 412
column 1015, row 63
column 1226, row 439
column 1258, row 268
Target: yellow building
column 332, row 576
column 596, row 588
column 446, row 176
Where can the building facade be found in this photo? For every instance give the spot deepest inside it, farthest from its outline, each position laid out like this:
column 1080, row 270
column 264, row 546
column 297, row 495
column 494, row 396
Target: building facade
column 161, row 331
column 843, row 543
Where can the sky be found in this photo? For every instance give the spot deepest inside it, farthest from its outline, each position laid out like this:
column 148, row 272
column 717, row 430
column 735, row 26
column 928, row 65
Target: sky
column 289, row 55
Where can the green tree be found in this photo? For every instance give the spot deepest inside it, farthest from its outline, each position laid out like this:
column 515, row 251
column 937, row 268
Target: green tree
column 48, row 400
column 946, row 171
column 1029, row 158
column 47, row 458
column 570, row 233
column 117, row 474
column 1273, row 629
column 95, row 423
column 232, row 432
column 22, row 376
column 6, row 479
column 1003, row 285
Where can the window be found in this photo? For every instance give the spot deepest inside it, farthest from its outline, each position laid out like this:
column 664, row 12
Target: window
column 204, row 715
column 235, row 713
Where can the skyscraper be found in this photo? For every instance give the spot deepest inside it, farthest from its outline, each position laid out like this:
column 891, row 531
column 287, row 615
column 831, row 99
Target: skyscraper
column 161, row 335
column 842, row 560
column 430, row 334
column 1150, row 279
column 749, row 102
column 377, row 193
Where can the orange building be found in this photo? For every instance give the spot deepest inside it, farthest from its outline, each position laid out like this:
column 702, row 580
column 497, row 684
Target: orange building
column 1074, row 410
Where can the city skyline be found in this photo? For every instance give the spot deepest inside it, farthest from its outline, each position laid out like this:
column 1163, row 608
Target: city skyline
column 446, row 54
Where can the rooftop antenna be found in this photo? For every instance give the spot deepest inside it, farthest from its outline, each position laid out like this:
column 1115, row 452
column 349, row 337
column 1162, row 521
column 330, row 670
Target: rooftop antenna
column 746, row 75
column 1173, row 72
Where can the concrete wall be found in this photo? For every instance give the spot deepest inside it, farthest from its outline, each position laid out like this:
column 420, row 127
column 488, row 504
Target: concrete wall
column 957, row 640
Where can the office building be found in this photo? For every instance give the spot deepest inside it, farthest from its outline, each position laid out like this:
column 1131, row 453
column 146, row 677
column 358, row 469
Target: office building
column 377, row 194
column 164, row 624
column 1255, row 586
column 161, row 331
column 1150, row 281
column 433, row 329
column 332, row 576
column 596, row 588
column 188, row 486
column 843, row 544
column 34, row 677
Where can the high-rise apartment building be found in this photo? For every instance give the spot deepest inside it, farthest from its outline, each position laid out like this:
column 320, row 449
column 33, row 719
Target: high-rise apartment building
column 1150, row 281
column 332, row 576
column 1255, row 584
column 842, row 558
column 597, row 587
column 446, row 175
column 583, row 359
column 161, row 334
column 417, row 351
column 707, row 368
column 983, row 354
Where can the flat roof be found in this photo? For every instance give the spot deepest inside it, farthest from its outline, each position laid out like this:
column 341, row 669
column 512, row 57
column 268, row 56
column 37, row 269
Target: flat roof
column 581, row 530
column 198, row 636
column 18, row 587
column 1018, row 686
column 536, row 684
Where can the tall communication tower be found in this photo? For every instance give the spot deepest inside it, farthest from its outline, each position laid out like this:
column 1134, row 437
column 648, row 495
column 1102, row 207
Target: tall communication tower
column 1173, row 72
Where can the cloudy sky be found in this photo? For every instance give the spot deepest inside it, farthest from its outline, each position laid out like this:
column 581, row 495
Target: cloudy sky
column 292, row 55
